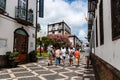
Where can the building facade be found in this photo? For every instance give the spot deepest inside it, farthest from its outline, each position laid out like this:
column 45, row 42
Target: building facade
column 59, row 28
column 17, row 27
column 104, row 38
column 75, row 41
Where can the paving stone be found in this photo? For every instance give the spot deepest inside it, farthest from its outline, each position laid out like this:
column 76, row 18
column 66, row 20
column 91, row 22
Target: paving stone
column 30, row 78
column 4, row 76
column 89, row 72
column 52, row 67
column 37, row 68
column 53, row 77
column 23, row 74
column 19, row 70
column 72, row 74
column 75, row 68
column 3, row 71
column 43, row 72
column 89, row 78
column 31, row 65
column 61, row 70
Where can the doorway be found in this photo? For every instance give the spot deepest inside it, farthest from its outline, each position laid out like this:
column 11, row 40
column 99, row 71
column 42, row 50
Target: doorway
column 21, row 44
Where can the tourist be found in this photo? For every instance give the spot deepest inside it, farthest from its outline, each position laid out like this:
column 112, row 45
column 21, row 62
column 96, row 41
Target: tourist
column 50, row 54
column 77, row 56
column 57, row 55
column 63, row 54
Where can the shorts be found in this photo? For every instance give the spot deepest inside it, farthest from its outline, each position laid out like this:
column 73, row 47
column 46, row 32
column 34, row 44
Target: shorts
column 77, row 59
column 63, row 57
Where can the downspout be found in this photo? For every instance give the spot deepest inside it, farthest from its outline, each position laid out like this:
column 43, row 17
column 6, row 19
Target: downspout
column 36, row 26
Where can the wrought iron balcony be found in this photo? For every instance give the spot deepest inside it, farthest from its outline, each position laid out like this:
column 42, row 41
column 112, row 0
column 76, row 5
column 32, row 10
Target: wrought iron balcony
column 24, row 16
column 2, row 6
column 92, row 5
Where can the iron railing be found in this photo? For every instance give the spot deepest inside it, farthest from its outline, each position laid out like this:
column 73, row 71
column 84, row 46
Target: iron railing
column 24, row 14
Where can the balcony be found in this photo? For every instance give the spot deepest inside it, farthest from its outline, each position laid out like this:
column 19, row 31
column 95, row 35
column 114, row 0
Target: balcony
column 24, row 16
column 2, row 6
column 92, row 5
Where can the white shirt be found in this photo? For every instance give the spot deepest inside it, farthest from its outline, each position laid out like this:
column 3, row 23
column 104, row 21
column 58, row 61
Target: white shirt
column 63, row 51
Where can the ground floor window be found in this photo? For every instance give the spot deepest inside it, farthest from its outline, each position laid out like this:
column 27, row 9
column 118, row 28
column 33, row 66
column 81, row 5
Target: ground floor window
column 115, row 13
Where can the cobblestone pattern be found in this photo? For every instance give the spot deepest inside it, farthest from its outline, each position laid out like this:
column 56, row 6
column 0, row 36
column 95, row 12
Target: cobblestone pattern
column 40, row 71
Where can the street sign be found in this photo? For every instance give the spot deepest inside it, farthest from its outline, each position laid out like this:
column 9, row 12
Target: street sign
column 41, row 8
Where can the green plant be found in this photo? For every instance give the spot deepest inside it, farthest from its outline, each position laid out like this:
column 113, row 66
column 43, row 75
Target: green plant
column 12, row 59
column 12, row 55
column 33, row 56
column 44, row 54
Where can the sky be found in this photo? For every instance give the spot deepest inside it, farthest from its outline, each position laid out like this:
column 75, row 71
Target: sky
column 72, row 12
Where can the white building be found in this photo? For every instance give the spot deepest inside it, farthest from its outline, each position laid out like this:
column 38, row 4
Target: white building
column 104, row 37
column 59, row 28
column 63, row 29
column 75, row 41
column 17, row 27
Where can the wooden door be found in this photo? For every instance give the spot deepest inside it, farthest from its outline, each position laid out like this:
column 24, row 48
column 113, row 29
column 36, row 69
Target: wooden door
column 21, row 46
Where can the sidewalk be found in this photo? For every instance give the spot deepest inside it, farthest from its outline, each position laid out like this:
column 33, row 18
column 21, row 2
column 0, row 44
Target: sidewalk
column 40, row 71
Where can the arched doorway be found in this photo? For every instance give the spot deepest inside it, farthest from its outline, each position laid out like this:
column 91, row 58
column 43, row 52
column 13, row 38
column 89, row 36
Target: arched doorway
column 21, row 44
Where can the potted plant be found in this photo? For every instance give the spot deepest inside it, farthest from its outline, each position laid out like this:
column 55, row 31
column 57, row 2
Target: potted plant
column 12, row 59
column 33, row 56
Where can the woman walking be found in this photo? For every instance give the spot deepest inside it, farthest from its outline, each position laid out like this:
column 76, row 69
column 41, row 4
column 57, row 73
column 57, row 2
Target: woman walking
column 71, row 53
column 50, row 54
column 63, row 54
column 57, row 55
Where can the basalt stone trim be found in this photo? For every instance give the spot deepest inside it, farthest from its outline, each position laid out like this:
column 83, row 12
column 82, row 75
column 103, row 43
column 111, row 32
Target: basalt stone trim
column 103, row 70
column 3, row 61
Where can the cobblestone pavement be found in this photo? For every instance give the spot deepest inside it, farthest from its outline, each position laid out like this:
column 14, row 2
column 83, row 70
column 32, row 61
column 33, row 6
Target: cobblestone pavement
column 40, row 71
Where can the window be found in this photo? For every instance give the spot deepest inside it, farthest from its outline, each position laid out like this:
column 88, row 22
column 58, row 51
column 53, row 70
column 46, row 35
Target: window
column 101, row 23
column 115, row 13
column 96, row 34
column 22, row 4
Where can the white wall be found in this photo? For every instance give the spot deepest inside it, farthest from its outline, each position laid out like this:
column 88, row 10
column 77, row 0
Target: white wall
column 8, row 26
column 109, row 51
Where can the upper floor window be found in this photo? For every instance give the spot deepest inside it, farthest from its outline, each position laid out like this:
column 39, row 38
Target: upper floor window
column 22, row 4
column 115, row 13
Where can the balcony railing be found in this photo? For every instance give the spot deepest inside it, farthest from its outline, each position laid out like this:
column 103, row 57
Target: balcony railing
column 2, row 6
column 30, row 17
column 92, row 5
column 23, row 16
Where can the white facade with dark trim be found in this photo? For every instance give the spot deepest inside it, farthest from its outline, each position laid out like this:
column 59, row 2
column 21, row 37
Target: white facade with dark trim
column 104, row 32
column 17, row 15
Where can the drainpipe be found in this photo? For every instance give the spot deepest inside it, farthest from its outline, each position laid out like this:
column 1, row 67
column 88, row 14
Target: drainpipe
column 36, row 25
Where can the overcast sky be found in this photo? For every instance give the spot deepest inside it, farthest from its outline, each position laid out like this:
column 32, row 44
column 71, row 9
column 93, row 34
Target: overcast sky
column 73, row 12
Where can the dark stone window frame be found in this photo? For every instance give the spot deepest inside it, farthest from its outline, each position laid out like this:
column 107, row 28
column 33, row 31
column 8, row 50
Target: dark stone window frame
column 115, row 15
column 101, row 23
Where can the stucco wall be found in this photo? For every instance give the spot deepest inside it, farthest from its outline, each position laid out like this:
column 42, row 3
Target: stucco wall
column 109, row 51
column 8, row 26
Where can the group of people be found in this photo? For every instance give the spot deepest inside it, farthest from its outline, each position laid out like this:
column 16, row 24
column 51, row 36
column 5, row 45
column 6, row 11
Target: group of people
column 60, row 54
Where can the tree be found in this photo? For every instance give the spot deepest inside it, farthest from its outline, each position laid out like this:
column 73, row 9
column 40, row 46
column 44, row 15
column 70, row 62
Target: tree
column 60, row 40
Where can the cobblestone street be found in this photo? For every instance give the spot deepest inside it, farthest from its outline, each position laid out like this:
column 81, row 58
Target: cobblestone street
column 40, row 71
